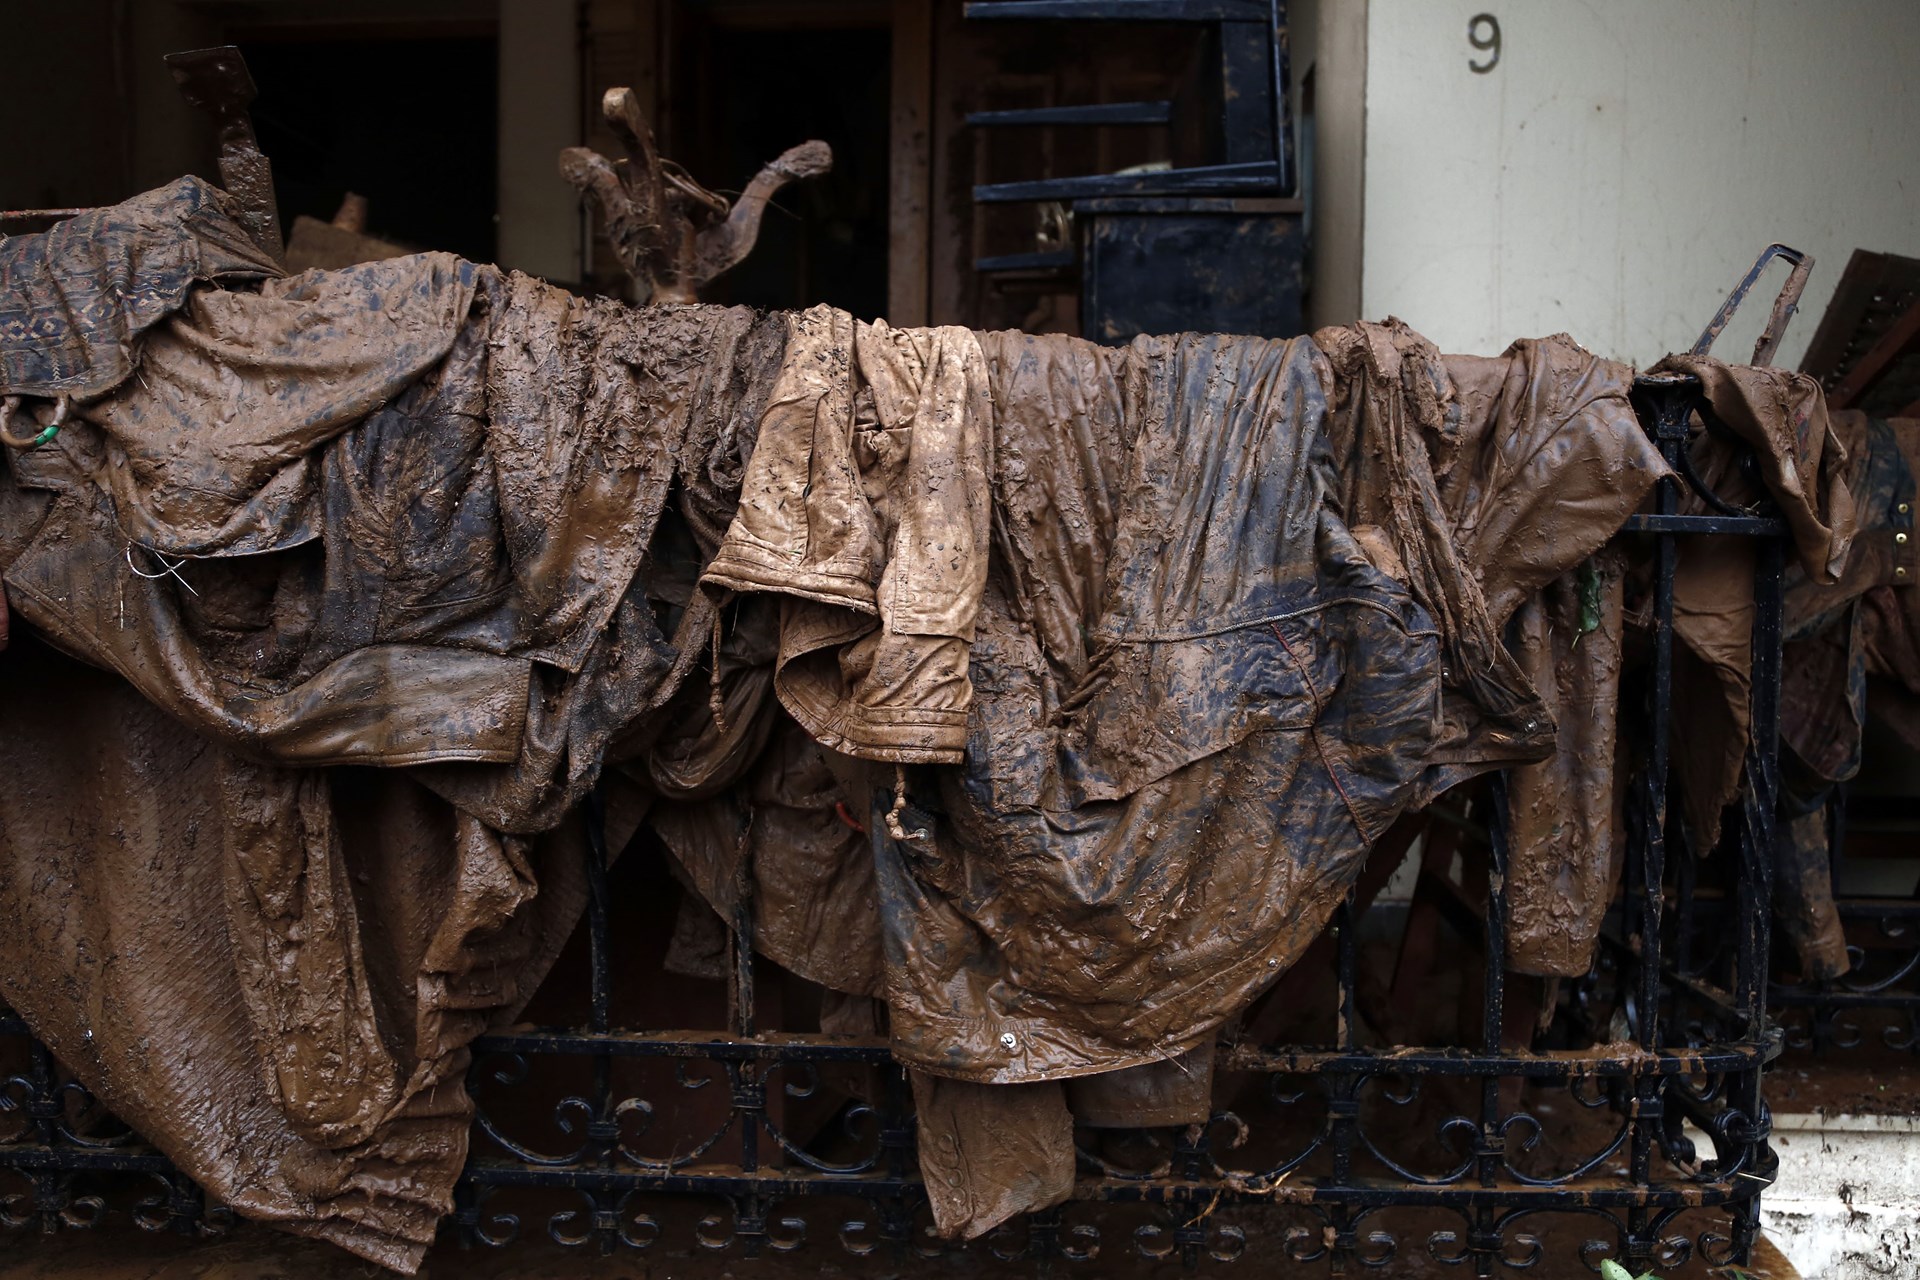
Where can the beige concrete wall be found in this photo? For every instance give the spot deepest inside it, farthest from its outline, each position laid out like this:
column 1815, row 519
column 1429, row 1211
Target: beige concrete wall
column 1619, row 169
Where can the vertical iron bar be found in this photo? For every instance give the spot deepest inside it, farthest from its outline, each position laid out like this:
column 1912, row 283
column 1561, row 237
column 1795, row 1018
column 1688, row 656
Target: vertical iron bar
column 42, row 1104
column 1342, row 1243
column 1653, row 848
column 749, row 1085
column 1687, row 874
column 896, row 1121
column 1344, row 919
column 600, row 971
column 1755, row 894
column 1494, row 976
column 600, row 980
column 741, row 1001
column 1763, row 787
column 50, row 1188
column 1837, row 836
column 1822, row 1015
column 1343, row 1089
column 1672, row 412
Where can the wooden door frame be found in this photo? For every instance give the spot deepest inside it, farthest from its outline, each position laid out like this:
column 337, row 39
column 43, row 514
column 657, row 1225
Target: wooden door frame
column 909, row 163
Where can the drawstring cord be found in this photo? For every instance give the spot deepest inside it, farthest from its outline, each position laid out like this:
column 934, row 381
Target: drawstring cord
column 716, row 703
column 894, row 826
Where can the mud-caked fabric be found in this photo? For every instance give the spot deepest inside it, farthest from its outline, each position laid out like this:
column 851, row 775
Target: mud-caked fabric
column 272, row 974
column 394, row 515
column 989, row 1153
column 1484, row 484
column 1564, row 834
column 409, row 539
column 1123, row 861
column 866, row 506
column 754, row 810
column 1778, row 418
column 1852, row 649
column 1052, row 693
column 1477, row 481
column 75, row 300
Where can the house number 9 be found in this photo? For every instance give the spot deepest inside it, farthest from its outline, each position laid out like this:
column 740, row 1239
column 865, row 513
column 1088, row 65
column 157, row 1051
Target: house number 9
column 1483, row 32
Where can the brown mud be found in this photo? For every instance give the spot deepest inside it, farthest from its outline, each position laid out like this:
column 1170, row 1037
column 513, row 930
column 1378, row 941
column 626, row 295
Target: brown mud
column 1133, row 654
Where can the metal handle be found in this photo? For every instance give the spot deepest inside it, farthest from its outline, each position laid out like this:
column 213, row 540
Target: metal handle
column 1783, row 306
column 11, row 404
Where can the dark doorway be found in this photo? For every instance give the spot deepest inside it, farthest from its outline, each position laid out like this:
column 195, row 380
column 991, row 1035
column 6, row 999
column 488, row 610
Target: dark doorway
column 762, row 91
column 408, row 123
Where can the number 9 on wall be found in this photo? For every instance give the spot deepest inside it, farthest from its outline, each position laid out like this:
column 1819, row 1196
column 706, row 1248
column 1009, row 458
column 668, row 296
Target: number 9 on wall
column 1483, row 33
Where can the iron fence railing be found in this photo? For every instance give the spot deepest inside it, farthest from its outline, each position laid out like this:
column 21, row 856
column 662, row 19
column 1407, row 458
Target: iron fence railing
column 1872, row 1008
column 1877, row 1002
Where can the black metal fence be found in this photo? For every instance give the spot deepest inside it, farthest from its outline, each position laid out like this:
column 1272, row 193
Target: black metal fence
column 1645, row 1137
column 1876, row 1004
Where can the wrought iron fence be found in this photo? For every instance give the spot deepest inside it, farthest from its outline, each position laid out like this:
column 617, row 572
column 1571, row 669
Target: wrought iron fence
column 1347, row 1153
column 1878, row 1000
column 1876, row 1003
column 1872, row 1008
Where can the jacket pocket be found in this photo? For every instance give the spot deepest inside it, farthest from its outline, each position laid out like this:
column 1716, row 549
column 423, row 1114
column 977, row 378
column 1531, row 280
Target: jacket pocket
column 1151, row 707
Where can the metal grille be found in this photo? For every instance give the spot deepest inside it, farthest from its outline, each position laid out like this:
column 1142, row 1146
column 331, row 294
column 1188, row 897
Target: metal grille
column 1876, row 1004
column 1345, row 1154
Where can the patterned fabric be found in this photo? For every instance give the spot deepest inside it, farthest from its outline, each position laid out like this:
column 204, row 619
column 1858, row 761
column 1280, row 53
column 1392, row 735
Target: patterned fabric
column 74, row 300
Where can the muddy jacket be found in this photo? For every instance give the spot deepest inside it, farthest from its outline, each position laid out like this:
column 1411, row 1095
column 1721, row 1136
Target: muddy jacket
column 1103, row 880
column 1779, row 418
column 1488, row 481
column 1852, row 646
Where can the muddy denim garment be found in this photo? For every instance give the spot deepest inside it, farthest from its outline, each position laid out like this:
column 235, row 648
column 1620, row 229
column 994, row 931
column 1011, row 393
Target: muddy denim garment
column 1485, row 482
column 75, row 300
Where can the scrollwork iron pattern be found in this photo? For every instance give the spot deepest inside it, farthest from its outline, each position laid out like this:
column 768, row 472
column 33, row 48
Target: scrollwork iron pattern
column 67, row 1164
column 1877, row 1002
column 1875, row 1005
column 1345, row 1157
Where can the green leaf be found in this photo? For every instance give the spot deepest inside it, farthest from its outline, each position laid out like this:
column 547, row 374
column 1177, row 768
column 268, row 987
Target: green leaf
column 1611, row 1270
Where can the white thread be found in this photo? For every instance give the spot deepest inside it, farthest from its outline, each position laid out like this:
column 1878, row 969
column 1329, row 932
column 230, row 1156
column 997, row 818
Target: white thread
column 166, row 570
